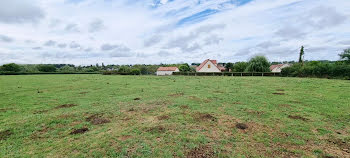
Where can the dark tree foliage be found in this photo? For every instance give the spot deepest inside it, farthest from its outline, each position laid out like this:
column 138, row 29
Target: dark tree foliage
column 345, row 55
column 184, row 68
column 258, row 64
column 12, row 67
column 135, row 72
column 301, row 55
column 240, row 67
column 47, row 68
column 229, row 66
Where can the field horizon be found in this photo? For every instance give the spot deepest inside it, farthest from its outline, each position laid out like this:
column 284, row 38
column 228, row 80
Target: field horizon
column 173, row 116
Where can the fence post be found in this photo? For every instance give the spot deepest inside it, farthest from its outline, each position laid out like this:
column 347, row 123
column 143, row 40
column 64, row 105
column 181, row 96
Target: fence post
column 241, row 74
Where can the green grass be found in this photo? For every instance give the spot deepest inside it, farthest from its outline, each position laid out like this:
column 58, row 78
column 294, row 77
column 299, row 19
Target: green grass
column 174, row 116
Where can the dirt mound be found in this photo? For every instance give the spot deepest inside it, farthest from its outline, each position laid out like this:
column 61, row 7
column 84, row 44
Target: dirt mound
column 97, row 119
column 241, row 126
column 201, row 152
column 66, row 106
column 79, row 131
column 342, row 144
column 204, row 117
column 278, row 93
column 5, row 134
column 295, row 117
column 163, row 117
column 156, row 129
column 137, row 98
column 176, row 95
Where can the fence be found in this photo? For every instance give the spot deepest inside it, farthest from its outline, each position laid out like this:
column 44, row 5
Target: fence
column 228, row 73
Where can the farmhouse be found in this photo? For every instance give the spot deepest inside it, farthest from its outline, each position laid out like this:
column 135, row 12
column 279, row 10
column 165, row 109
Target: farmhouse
column 279, row 67
column 163, row 71
column 210, row 66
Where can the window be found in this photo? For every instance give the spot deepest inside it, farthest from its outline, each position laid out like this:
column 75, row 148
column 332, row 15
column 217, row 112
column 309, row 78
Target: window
column 209, row 66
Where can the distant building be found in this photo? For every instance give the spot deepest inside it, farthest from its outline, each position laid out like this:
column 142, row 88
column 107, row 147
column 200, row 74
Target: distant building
column 279, row 67
column 210, row 66
column 163, row 71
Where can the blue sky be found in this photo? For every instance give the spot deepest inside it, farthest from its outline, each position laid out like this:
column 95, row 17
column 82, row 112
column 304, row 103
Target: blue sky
column 86, row 32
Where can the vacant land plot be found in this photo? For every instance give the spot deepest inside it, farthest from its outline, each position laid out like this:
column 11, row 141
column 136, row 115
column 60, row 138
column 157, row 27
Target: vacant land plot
column 149, row 116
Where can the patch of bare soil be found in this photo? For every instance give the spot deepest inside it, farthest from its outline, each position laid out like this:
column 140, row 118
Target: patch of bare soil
column 204, row 117
column 156, row 129
column 137, row 98
column 194, row 98
column 295, row 117
column 278, row 93
column 184, row 107
column 163, row 117
column 176, row 94
column 342, row 144
column 241, row 126
column 40, row 111
column 5, row 134
column 5, row 109
column 124, row 138
column 201, row 152
column 83, row 92
column 79, row 131
column 66, row 106
column 97, row 119
column 281, row 90
column 259, row 113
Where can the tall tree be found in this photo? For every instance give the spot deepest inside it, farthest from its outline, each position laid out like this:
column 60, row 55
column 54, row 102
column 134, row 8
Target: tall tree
column 345, row 55
column 301, row 55
column 258, row 64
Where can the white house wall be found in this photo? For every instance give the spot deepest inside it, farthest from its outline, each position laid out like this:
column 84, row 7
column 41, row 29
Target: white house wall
column 212, row 68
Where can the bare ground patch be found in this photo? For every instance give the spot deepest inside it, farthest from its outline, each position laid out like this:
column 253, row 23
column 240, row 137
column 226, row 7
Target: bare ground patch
column 296, row 117
column 97, row 119
column 176, row 94
column 5, row 134
column 137, row 98
column 79, row 131
column 204, row 117
column 241, row 126
column 40, row 111
column 156, row 129
column 66, row 106
column 203, row 151
column 163, row 117
column 124, row 137
column 342, row 144
column 278, row 93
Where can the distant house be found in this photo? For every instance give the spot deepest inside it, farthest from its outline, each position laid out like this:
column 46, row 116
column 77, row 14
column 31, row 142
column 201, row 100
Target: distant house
column 163, row 71
column 279, row 67
column 210, row 66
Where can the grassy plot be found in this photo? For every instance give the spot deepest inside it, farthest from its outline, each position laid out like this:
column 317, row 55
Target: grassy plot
column 178, row 116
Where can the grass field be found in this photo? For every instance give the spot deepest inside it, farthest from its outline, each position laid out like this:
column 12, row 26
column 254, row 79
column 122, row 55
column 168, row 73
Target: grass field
column 149, row 116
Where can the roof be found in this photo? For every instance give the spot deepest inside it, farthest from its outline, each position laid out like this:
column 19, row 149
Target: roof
column 205, row 62
column 167, row 69
column 275, row 66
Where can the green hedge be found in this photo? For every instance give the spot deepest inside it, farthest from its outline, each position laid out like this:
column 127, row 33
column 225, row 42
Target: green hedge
column 45, row 73
column 227, row 73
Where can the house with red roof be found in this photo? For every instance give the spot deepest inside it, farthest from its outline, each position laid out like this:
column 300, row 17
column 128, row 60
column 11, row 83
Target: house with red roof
column 278, row 67
column 164, row 71
column 210, row 66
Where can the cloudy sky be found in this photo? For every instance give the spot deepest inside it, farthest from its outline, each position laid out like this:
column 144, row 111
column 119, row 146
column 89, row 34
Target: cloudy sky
column 86, row 32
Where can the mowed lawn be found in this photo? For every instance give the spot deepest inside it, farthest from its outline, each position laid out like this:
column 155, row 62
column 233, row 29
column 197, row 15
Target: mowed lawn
column 177, row 116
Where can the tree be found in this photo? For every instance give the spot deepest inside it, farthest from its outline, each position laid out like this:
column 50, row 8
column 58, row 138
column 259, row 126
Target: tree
column 135, row 71
column 229, row 66
column 184, row 68
column 258, row 64
column 124, row 69
column 345, row 55
column 301, row 55
column 240, row 67
column 47, row 68
column 11, row 67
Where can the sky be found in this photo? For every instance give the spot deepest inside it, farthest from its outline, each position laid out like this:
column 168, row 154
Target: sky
column 84, row 32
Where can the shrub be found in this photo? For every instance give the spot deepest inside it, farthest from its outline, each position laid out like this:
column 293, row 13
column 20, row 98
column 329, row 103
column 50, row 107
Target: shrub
column 184, row 68
column 240, row 67
column 135, row 72
column 47, row 68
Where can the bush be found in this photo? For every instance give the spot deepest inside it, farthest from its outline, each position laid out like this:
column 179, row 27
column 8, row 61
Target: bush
column 47, row 68
column 240, row 67
column 184, row 68
column 12, row 67
column 135, row 72
column 258, row 64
